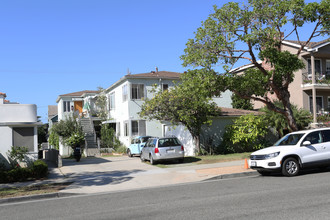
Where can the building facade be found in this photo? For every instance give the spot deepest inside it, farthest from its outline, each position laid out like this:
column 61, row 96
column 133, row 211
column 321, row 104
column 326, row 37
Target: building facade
column 18, row 127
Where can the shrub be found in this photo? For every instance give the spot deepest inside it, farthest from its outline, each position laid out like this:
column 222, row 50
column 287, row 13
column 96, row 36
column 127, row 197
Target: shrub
column 246, row 134
column 39, row 169
column 17, row 154
column 18, row 174
column 108, row 137
column 54, row 139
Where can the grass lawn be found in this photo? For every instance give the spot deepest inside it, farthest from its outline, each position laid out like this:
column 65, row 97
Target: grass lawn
column 206, row 159
column 32, row 190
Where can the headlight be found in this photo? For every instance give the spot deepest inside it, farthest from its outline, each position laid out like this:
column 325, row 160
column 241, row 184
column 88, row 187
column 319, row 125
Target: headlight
column 272, row 155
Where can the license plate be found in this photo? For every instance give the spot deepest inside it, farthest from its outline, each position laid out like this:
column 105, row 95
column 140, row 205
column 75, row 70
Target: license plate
column 170, row 151
column 253, row 163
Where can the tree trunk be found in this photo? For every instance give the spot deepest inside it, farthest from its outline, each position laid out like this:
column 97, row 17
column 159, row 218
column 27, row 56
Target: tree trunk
column 196, row 139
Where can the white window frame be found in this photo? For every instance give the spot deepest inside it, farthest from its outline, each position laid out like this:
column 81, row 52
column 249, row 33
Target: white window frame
column 140, row 92
column 163, row 87
column 126, row 128
column 66, row 106
column 112, row 99
column 125, row 92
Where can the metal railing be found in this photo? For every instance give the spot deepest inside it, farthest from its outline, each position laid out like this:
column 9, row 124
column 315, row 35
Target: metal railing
column 320, row 78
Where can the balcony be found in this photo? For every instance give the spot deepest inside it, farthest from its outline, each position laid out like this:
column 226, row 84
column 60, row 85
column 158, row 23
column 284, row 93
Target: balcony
column 322, row 79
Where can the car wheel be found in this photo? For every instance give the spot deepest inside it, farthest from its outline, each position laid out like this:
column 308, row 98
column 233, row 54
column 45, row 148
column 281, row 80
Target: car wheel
column 290, row 167
column 152, row 161
column 263, row 173
column 129, row 153
column 142, row 158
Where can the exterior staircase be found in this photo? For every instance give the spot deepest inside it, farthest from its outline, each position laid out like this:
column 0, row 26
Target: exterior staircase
column 91, row 148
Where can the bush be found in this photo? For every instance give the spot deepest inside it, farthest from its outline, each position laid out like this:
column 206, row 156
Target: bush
column 246, row 134
column 39, row 169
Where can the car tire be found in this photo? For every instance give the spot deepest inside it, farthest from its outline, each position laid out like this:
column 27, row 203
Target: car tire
column 129, row 153
column 263, row 173
column 152, row 161
column 290, row 167
column 142, row 158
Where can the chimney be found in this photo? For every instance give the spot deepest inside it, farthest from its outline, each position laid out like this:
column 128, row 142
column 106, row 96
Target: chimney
column 2, row 98
column 156, row 69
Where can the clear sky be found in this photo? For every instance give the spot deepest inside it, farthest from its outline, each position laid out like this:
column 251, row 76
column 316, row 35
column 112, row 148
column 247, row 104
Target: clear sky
column 54, row 47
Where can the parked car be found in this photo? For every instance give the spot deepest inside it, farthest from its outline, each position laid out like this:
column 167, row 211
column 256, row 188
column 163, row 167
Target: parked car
column 156, row 149
column 137, row 144
column 295, row 151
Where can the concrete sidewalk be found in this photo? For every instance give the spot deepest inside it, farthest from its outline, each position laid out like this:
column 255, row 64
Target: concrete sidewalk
column 123, row 173
column 109, row 174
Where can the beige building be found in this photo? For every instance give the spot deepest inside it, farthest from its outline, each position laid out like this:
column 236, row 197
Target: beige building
column 311, row 86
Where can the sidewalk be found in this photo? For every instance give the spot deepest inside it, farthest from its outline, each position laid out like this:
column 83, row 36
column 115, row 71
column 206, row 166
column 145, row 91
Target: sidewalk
column 97, row 175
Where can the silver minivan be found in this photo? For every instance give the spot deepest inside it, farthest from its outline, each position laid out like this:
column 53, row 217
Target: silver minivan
column 156, row 149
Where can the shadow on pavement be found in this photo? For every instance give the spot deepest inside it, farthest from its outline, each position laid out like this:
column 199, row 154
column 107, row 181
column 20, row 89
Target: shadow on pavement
column 187, row 160
column 101, row 178
column 84, row 161
column 302, row 172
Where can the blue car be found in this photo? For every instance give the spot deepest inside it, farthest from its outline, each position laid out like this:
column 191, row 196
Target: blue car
column 136, row 146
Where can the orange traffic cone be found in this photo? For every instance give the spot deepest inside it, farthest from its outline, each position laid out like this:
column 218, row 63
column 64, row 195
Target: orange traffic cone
column 246, row 165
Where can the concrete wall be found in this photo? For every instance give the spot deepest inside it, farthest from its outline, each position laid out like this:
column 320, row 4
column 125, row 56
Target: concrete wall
column 18, row 113
column 6, row 141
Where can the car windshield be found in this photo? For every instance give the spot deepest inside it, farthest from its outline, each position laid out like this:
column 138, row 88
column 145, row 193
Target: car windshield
column 290, row 139
column 167, row 142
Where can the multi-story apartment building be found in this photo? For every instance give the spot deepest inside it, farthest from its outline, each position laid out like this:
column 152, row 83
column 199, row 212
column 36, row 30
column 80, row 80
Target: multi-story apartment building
column 311, row 86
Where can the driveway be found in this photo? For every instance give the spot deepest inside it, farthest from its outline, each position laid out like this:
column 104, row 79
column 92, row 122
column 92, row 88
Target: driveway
column 93, row 175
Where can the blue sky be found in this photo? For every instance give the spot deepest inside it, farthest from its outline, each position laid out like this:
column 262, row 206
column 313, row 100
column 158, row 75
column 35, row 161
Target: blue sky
column 53, row 47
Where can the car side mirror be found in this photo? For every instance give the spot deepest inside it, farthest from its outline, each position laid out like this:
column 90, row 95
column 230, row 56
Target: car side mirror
column 142, row 145
column 306, row 143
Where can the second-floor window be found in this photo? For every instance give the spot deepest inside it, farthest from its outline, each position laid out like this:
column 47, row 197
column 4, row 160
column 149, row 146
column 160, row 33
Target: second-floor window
column 137, row 91
column 125, row 95
column 317, row 63
column 66, row 106
column 112, row 101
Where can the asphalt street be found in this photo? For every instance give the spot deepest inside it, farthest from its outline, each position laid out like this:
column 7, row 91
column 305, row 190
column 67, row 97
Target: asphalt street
column 275, row 197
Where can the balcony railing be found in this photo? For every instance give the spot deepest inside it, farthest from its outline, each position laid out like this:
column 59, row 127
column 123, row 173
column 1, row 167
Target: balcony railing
column 320, row 78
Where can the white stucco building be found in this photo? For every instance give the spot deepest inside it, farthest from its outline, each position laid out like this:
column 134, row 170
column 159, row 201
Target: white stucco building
column 18, row 127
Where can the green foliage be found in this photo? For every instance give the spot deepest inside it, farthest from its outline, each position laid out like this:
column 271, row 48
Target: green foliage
column 239, row 103
column 246, row 134
column 75, row 139
column 54, row 139
column 38, row 169
column 278, row 121
column 17, row 154
column 42, row 133
column 101, row 103
column 108, row 137
column 71, row 131
column 237, row 32
column 188, row 103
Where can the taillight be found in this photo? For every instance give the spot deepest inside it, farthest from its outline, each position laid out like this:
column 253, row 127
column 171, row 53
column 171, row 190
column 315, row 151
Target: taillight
column 182, row 148
column 156, row 150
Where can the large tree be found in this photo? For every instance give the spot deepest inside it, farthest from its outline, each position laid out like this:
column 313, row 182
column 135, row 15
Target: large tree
column 187, row 103
column 255, row 31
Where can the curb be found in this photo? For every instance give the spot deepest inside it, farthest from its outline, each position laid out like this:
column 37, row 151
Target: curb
column 36, row 197
column 234, row 175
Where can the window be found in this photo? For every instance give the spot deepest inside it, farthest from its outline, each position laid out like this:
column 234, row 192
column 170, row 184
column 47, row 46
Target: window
column 112, row 101
column 24, row 136
column 314, row 137
column 319, row 103
column 125, row 96
column 135, row 128
column 318, row 68
column 125, row 128
column 326, row 135
column 137, row 91
column 138, row 128
column 66, row 106
column 328, row 103
column 164, row 87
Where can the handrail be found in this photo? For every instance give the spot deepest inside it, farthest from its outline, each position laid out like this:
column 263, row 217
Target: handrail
column 320, row 78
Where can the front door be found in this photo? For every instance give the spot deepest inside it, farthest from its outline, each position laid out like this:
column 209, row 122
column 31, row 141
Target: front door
column 78, row 105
